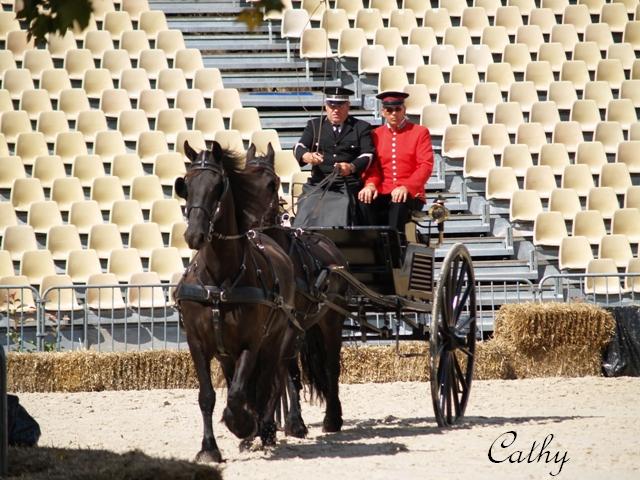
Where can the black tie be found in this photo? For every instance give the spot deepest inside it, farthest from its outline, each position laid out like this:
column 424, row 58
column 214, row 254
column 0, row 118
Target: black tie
column 336, row 130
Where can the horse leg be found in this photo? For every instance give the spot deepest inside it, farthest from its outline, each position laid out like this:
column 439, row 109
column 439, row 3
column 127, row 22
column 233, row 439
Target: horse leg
column 294, row 424
column 239, row 419
column 209, row 451
column 332, row 333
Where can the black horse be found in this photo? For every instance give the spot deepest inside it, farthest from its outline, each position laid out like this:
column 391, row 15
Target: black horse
column 256, row 195
column 236, row 299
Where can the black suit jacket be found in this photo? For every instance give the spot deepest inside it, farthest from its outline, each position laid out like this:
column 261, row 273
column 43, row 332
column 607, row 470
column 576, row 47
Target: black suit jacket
column 352, row 145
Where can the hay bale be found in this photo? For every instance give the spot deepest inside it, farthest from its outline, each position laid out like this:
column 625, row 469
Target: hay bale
column 494, row 361
column 533, row 328
column 378, row 364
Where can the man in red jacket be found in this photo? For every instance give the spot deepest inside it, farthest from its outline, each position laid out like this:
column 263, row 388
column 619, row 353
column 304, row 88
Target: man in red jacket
column 394, row 183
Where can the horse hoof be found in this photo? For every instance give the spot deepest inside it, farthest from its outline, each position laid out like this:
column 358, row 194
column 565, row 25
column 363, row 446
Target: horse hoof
column 209, row 456
column 246, row 445
column 242, row 424
column 331, row 426
column 297, row 430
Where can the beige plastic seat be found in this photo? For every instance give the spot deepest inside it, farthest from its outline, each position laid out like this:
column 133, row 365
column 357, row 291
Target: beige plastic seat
column 628, row 154
column 334, row 21
column 68, row 145
column 106, row 190
column 630, row 89
column 566, row 35
column 578, row 16
column 190, row 102
column 393, row 77
column 494, row 136
column 574, row 253
column 189, row 60
column 456, row 140
column 630, row 35
column 166, row 262
column 600, row 93
column 466, row 75
column 134, row 8
column 563, row 93
column 525, row 205
column 615, row 175
column 294, row 22
column 478, row 160
column 171, row 121
column 541, row 179
column 12, row 168
column 565, row 201
column 262, row 138
column 171, row 80
column 150, row 144
column 436, row 118
column 91, row 123
column 458, row 37
column 615, row 15
column 49, row 124
column 13, row 124
column 84, row 214
column 176, row 239
column 82, row 264
column 531, row 36
column 524, row 93
column 315, row 9
column 622, row 111
column 230, row 140
column 617, row 248
column 16, row 81
column 131, row 123
column 145, row 237
column 152, row 296
column 208, row 121
column 146, row 189
column 125, row 214
column 152, row 102
column 24, row 192
column 488, row 94
column 423, row 37
column 510, row 115
column 438, row 19
column 4, row 147
column 18, row 43
column 632, row 283
column 123, row 263
column 108, row 144
column 126, row 166
column 430, row 76
column 475, row 20
column 134, row 42
column 8, row 23
column 98, row 42
column 114, row 101
column 8, row 218
column 87, row 167
column 166, row 212
column 445, row 56
column 226, row 100
column 474, row 116
column 62, row 239
column 35, row 101
column 589, row 223
column 579, row 178
column 116, row 61
column 102, row 296
column 134, row 81
column 479, row 56
column 546, row 114
column 452, row 95
column 591, row 154
column 351, row 7
column 54, row 81
column 194, row 137
column 541, row 74
column 153, row 61
column 501, row 183
column 372, row 59
column 576, row 72
column 18, row 239
column 350, row 42
column 58, row 45
column 72, row 102
column 246, row 121
column 43, row 215
column 604, row 200
column 170, row 41
column 569, row 133
column 532, row 135
column 116, row 23
column 552, row 52
column 77, row 62
column 30, row 145
column 623, row 52
column 57, row 294
column 610, row 134
column 20, row 299
column 502, row 74
column 36, row 264
column 610, row 70
column 409, row 57
column 517, row 157
column 314, row 44
column 626, row 221
column 152, row 22
column 600, row 33
column 103, row 238
column 496, row 38
column 508, row 17
column 549, row 229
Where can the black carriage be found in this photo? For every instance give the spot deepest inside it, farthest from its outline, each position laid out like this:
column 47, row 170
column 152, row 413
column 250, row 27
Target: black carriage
column 395, row 279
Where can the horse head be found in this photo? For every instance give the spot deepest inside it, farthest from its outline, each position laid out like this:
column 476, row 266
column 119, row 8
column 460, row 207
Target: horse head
column 256, row 190
column 205, row 188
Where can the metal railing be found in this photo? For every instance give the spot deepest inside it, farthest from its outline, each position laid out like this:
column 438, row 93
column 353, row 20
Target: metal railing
column 4, row 424
column 602, row 288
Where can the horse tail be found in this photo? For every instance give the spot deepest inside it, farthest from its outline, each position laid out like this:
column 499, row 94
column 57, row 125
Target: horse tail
column 313, row 358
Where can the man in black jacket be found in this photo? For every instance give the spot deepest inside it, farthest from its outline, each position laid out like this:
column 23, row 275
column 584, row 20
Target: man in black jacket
column 339, row 148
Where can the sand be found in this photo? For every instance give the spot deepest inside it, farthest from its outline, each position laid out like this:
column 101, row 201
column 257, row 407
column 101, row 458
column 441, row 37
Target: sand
column 578, row 428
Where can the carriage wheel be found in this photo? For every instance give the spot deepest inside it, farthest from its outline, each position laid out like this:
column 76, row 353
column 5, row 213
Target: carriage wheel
column 453, row 337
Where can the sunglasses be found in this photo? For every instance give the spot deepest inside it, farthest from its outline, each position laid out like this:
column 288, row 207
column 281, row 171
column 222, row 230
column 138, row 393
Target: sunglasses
column 392, row 109
column 335, row 106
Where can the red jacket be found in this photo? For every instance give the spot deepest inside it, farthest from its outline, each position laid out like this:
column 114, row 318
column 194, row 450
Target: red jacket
column 403, row 158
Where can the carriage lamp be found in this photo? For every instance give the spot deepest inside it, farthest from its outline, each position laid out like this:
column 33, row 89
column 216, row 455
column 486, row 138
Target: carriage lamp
column 439, row 214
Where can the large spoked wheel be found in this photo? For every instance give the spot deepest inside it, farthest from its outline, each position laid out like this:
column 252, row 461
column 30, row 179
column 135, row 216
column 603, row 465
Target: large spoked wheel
column 453, row 337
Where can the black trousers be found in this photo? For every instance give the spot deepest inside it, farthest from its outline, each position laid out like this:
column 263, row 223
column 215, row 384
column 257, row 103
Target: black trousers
column 382, row 211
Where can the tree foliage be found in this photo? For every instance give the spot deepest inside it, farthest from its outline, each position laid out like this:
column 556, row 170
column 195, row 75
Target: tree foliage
column 58, row 16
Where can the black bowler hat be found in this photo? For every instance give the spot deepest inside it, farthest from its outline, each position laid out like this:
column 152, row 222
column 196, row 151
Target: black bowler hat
column 392, row 99
column 337, row 94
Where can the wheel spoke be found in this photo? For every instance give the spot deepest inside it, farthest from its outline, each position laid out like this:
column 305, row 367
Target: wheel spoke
column 461, row 375
column 463, row 299
column 454, row 386
column 447, row 381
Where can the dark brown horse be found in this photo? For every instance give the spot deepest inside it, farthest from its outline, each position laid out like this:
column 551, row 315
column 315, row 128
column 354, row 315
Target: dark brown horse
column 256, row 191
column 236, row 301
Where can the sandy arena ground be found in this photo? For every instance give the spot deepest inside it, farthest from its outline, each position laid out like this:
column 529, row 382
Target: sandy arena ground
column 591, row 427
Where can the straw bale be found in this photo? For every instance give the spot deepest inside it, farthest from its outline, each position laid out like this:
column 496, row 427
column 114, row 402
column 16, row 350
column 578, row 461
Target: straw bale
column 534, row 328
column 378, row 364
column 41, row 463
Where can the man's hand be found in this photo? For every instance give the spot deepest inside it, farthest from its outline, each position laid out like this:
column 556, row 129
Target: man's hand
column 368, row 193
column 399, row 194
column 313, row 158
column 344, row 168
